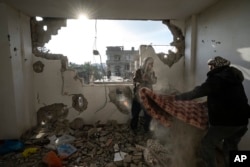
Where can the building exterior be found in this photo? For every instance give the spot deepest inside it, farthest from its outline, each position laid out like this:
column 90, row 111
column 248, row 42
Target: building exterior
column 122, row 62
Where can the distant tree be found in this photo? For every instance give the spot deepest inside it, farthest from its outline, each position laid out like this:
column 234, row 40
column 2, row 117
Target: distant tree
column 87, row 70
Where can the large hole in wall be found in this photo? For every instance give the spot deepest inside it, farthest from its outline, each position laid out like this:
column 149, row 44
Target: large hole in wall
column 79, row 102
column 105, row 50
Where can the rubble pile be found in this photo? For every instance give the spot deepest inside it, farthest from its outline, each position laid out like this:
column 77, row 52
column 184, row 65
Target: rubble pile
column 81, row 145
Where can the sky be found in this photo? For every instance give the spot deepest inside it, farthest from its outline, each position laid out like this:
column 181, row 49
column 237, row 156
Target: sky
column 81, row 36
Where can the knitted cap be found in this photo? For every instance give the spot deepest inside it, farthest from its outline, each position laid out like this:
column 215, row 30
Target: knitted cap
column 218, row 62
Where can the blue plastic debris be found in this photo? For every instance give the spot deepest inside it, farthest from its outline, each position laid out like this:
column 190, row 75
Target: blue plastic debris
column 8, row 146
column 65, row 150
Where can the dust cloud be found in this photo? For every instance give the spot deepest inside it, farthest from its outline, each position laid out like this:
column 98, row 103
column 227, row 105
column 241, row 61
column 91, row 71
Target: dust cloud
column 182, row 142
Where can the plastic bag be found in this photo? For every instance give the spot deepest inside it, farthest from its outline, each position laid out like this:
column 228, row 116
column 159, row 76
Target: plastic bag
column 10, row 146
column 65, row 150
column 29, row 151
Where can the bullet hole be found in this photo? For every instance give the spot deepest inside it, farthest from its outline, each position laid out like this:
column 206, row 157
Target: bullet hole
column 8, row 37
column 215, row 43
column 15, row 49
column 202, row 41
column 38, row 67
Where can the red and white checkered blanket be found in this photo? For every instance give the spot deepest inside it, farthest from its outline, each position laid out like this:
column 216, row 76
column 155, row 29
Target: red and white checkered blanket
column 164, row 107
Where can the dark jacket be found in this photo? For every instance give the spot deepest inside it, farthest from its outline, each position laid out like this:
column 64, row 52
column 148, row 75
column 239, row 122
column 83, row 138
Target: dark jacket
column 226, row 99
column 142, row 79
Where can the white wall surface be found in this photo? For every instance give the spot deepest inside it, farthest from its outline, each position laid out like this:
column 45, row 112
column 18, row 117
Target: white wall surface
column 8, row 122
column 167, row 78
column 223, row 30
column 17, row 107
column 53, row 86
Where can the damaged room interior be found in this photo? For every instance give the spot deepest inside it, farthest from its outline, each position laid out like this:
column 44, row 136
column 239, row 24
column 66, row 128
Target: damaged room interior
column 56, row 112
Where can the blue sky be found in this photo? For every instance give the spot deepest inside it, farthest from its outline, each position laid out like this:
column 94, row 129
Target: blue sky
column 78, row 40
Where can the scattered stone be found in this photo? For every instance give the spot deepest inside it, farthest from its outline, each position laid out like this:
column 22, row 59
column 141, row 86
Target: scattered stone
column 95, row 147
column 77, row 124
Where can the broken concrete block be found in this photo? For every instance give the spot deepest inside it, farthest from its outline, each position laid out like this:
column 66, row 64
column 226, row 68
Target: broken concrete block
column 77, row 123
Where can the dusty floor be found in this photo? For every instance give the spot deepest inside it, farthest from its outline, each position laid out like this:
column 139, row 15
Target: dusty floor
column 98, row 145
column 94, row 143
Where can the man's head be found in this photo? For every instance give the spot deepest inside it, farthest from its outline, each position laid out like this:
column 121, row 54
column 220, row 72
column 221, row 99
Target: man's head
column 217, row 62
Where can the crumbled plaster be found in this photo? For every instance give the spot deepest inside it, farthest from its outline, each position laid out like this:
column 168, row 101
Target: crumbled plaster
column 121, row 97
column 49, row 56
column 77, row 123
column 178, row 42
column 98, row 145
column 39, row 35
column 52, row 113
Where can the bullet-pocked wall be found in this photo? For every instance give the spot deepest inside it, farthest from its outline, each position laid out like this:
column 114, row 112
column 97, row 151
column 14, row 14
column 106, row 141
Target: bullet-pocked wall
column 103, row 102
column 56, row 86
column 221, row 30
column 17, row 107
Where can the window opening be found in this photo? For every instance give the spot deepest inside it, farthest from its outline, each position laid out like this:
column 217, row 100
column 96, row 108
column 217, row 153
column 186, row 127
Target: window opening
column 94, row 47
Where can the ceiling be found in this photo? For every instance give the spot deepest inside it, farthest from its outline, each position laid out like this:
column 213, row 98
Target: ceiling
column 112, row 9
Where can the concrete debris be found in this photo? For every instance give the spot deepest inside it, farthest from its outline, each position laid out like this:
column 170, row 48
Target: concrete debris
column 178, row 42
column 77, row 123
column 156, row 153
column 99, row 145
column 52, row 113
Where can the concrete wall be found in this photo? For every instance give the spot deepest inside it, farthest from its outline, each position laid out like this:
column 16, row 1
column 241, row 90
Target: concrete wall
column 26, row 91
column 167, row 78
column 222, row 30
column 17, row 107
column 54, row 86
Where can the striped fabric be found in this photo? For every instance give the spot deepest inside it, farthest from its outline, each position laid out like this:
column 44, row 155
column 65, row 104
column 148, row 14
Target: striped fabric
column 163, row 108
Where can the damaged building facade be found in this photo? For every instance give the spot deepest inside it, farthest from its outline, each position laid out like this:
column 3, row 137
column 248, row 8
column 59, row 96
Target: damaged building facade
column 37, row 87
column 122, row 62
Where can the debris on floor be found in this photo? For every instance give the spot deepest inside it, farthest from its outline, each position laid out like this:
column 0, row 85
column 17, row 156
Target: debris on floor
column 98, row 145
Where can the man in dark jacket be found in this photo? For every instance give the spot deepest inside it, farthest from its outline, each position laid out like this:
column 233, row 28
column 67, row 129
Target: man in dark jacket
column 228, row 109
